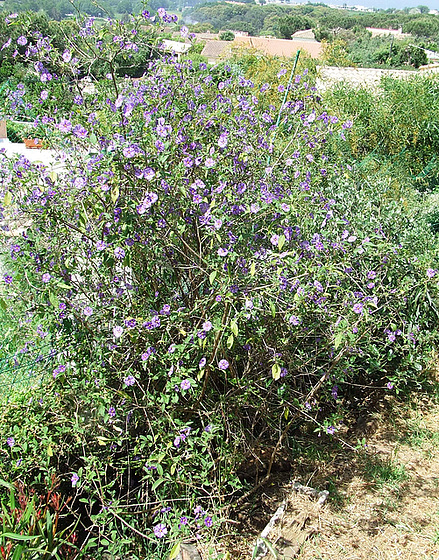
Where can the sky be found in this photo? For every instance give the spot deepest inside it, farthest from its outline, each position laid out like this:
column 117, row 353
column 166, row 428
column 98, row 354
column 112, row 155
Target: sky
column 384, row 4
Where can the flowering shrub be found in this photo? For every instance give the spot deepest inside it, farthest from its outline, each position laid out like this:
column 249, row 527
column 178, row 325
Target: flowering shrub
column 202, row 279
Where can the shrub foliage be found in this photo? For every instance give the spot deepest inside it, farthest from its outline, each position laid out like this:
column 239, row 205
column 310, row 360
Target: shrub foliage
column 204, row 272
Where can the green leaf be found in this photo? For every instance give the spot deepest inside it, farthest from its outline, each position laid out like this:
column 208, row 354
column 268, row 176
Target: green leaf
column 175, row 551
column 234, row 327
column 230, row 341
column 275, row 371
column 93, row 138
column 338, row 340
column 115, row 193
column 253, row 269
column 157, row 483
column 281, row 242
column 53, row 300
column 273, row 309
column 212, row 277
column 7, row 199
column 271, row 548
column 7, row 485
column 17, row 537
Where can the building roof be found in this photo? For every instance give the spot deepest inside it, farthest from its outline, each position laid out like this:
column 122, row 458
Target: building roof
column 279, row 47
column 431, row 55
column 381, row 32
column 176, row 46
column 216, row 49
column 306, row 35
column 207, row 36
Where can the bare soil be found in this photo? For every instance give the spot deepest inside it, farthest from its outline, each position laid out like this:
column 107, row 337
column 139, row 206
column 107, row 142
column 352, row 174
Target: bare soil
column 383, row 500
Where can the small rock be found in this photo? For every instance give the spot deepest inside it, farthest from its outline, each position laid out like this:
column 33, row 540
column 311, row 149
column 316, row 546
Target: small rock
column 188, row 552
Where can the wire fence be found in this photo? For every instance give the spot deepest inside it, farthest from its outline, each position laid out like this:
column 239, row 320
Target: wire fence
column 31, row 366
column 23, row 369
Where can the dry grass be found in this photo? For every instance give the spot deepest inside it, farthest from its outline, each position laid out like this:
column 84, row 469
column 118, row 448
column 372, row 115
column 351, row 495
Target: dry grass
column 383, row 504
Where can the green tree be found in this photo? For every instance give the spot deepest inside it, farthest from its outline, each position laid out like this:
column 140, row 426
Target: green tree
column 227, row 36
column 288, row 25
column 423, row 9
column 422, row 27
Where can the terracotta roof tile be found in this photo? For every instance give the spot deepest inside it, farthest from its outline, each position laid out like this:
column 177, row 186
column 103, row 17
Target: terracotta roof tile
column 279, row 47
column 215, row 49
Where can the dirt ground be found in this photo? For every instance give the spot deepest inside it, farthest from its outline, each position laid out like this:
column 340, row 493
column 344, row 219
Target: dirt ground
column 383, row 501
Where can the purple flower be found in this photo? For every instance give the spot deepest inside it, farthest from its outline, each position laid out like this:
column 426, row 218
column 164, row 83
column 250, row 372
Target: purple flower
column 389, row 385
column 207, row 326
column 11, row 442
column 318, row 286
column 22, row 41
column 160, row 530
column 185, row 385
column 358, row 308
column 222, row 141
column 59, row 369
column 147, row 202
column 183, row 521
column 274, row 240
column 330, row 430
column 74, row 479
column 100, row 245
column 334, row 392
column 431, row 272
column 67, row 56
column 209, row 163
column 165, row 310
column 46, row 277
column 223, row 364
column 88, row 311
column 119, row 253
column 294, row 320
column 129, row 380
column 208, row 521
column 132, row 150
column 79, row 131
column 7, row 278
column 65, row 125
column 148, row 353
column 184, row 31
column 198, row 510
column 111, row 412
column 202, row 363
column 117, row 331
column 222, row 252
column 391, row 336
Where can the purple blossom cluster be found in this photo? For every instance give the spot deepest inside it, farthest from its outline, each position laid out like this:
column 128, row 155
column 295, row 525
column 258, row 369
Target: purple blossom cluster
column 203, row 253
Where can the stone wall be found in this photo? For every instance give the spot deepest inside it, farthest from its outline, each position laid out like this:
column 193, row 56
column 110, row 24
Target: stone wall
column 327, row 76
